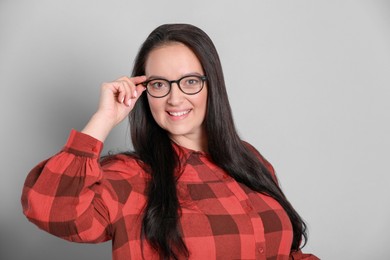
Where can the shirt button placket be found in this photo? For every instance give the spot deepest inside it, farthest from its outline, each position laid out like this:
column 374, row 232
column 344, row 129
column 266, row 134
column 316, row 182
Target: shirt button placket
column 260, row 254
column 260, row 251
column 248, row 207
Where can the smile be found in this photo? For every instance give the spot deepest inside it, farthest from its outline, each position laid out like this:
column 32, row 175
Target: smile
column 181, row 113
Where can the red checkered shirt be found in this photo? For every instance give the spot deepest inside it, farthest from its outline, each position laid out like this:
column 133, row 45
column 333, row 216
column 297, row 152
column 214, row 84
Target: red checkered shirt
column 76, row 197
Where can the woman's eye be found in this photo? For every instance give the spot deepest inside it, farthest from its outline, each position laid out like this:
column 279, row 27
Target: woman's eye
column 190, row 82
column 157, row 84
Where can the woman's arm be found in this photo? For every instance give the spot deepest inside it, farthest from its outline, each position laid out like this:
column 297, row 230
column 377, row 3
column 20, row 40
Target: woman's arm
column 67, row 195
column 117, row 99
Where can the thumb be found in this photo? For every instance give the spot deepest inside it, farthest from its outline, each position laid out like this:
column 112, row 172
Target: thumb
column 139, row 89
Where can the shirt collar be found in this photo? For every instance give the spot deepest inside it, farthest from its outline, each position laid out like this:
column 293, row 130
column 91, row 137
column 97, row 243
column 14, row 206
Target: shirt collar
column 185, row 153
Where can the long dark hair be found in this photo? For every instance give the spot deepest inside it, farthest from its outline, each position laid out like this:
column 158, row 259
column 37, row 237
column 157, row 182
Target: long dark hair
column 154, row 147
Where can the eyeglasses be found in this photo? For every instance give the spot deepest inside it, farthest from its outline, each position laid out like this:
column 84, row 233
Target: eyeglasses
column 190, row 85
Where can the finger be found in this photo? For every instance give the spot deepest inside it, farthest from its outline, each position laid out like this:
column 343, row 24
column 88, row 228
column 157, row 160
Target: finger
column 127, row 90
column 135, row 85
column 140, row 88
column 119, row 91
column 132, row 87
column 136, row 95
column 138, row 79
column 134, row 80
column 113, row 89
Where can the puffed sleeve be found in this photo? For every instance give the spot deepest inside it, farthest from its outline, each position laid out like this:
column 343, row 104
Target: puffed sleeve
column 67, row 195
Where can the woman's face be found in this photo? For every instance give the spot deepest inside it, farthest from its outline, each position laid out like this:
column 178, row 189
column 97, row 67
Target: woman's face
column 180, row 114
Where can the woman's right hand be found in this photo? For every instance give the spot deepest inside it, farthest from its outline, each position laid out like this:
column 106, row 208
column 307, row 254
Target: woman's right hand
column 117, row 99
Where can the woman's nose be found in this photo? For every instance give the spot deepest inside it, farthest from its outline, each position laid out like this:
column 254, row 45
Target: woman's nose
column 175, row 96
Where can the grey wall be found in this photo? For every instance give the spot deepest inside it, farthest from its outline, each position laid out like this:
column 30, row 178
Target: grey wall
column 308, row 83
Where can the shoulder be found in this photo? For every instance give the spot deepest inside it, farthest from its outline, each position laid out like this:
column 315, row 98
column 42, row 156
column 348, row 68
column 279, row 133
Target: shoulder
column 258, row 154
column 124, row 175
column 261, row 158
column 123, row 165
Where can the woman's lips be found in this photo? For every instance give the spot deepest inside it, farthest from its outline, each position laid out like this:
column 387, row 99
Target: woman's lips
column 178, row 115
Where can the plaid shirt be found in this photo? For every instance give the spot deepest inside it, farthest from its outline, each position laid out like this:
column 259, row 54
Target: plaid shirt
column 74, row 196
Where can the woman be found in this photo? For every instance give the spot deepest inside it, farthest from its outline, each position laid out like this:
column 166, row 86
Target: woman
column 191, row 188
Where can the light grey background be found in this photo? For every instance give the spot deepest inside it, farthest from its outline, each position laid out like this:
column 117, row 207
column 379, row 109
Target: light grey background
column 308, row 82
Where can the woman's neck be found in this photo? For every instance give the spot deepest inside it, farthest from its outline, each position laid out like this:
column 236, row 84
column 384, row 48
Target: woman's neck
column 196, row 142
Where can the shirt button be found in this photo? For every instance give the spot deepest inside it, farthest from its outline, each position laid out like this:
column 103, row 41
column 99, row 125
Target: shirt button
column 248, row 207
column 261, row 250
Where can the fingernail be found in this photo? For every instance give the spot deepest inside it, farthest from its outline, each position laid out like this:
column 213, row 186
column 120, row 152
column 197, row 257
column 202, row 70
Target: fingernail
column 135, row 93
column 129, row 102
column 123, row 99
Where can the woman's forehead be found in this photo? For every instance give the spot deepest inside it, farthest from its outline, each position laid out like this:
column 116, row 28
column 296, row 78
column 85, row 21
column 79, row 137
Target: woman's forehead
column 172, row 60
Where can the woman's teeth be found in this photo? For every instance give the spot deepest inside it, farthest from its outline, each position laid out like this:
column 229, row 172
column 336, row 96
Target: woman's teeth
column 179, row 113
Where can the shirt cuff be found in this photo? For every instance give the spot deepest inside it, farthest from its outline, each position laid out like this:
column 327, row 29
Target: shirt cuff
column 83, row 145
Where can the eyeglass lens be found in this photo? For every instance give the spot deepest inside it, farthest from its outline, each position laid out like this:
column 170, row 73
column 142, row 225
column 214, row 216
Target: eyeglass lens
column 161, row 87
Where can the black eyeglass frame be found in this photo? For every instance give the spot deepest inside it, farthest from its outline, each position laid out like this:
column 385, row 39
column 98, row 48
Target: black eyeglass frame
column 202, row 78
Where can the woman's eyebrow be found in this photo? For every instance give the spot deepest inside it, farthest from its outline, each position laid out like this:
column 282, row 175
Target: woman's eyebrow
column 155, row 77
column 183, row 75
